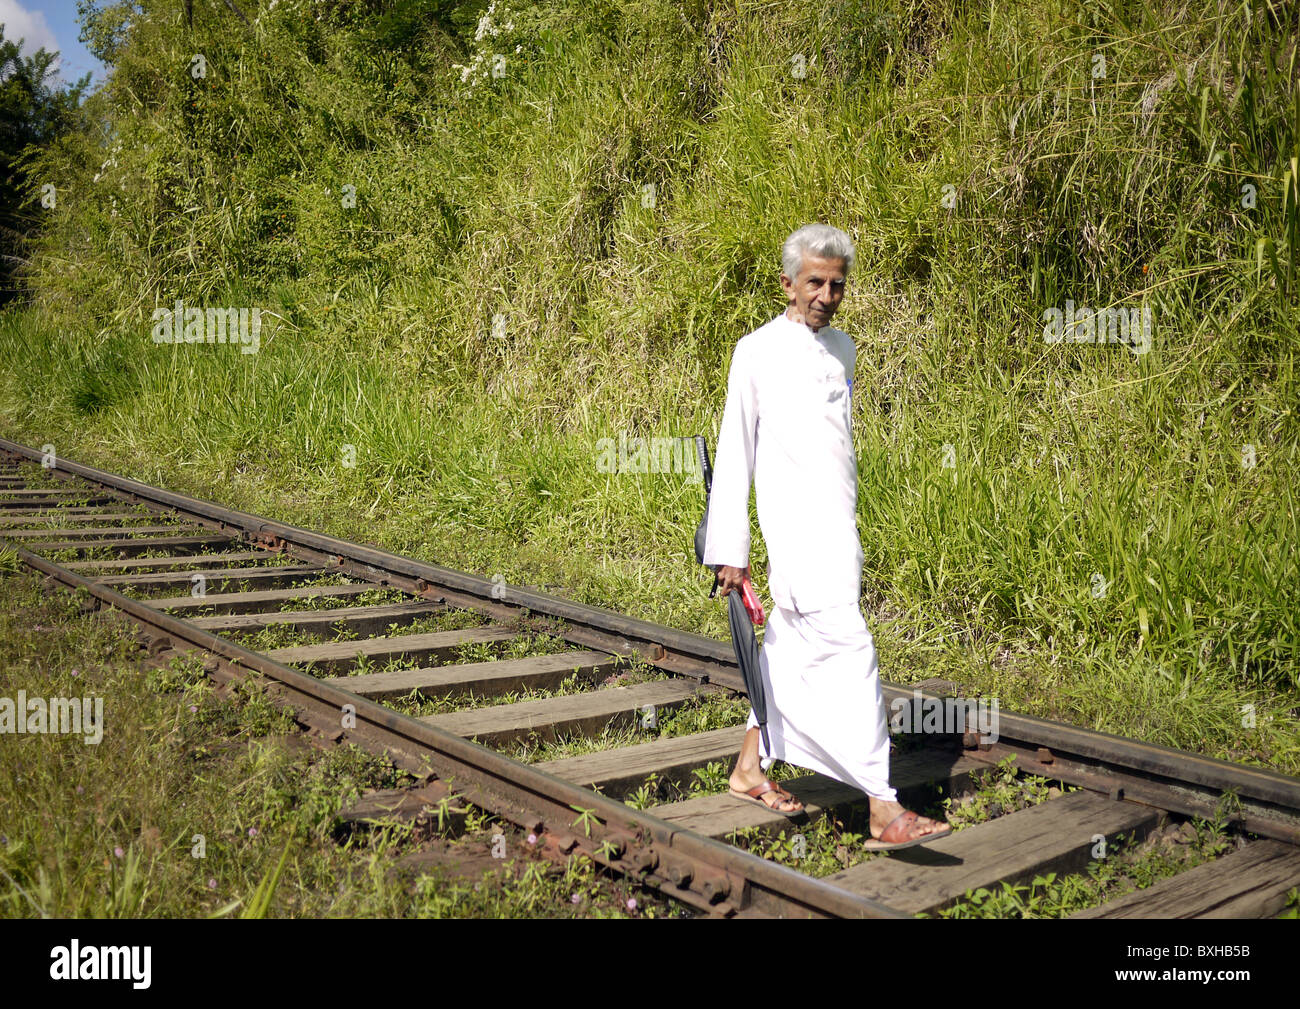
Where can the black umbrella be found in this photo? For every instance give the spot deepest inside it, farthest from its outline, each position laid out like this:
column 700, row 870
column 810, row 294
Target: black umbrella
column 746, row 646
column 743, row 610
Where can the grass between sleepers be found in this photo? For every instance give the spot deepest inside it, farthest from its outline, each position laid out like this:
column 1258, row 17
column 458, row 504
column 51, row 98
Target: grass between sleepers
column 113, row 829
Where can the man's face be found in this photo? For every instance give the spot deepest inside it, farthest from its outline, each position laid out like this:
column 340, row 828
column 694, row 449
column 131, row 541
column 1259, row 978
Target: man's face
column 817, row 291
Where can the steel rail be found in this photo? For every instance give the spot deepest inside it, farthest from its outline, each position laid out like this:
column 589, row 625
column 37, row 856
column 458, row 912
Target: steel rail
column 690, row 867
column 705, row 658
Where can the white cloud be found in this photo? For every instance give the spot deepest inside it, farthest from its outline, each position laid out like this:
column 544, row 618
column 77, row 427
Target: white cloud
column 30, row 26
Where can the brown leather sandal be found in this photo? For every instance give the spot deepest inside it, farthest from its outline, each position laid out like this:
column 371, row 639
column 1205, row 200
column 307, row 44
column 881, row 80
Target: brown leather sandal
column 899, row 834
column 756, row 794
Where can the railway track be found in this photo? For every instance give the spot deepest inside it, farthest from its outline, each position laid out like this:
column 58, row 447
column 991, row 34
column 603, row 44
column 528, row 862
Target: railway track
column 202, row 576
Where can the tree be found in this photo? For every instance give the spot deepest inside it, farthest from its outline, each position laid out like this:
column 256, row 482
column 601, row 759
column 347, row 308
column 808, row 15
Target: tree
column 103, row 29
column 32, row 113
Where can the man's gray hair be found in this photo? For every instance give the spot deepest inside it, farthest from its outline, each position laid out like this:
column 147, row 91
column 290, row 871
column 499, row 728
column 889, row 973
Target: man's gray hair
column 820, row 240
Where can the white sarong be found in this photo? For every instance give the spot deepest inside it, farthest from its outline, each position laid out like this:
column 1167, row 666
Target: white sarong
column 825, row 708
column 787, row 429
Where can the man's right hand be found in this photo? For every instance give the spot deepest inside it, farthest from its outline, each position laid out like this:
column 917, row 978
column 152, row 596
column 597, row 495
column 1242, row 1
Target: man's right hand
column 730, row 579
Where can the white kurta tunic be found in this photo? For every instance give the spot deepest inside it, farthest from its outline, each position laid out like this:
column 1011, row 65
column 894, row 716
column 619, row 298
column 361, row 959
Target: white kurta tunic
column 786, row 427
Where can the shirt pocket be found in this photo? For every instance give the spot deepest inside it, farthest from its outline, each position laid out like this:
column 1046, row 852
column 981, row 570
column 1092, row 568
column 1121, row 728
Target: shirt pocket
column 834, row 386
column 835, row 396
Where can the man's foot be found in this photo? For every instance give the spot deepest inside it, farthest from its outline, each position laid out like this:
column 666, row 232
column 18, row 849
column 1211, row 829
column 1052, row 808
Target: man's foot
column 769, row 793
column 893, row 827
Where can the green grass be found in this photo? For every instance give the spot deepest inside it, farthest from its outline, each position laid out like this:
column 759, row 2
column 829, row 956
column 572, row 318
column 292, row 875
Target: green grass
column 1128, row 866
column 1110, row 540
column 372, row 597
column 287, row 636
column 820, row 848
column 196, row 800
column 699, row 713
column 419, row 703
column 998, row 791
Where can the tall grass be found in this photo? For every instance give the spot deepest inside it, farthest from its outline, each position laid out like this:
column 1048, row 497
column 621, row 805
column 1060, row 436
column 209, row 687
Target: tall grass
column 1095, row 533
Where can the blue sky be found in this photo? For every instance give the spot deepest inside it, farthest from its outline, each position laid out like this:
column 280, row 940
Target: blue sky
column 51, row 25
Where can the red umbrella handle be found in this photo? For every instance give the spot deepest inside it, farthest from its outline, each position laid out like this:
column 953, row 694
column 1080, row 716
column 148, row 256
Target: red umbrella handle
column 752, row 606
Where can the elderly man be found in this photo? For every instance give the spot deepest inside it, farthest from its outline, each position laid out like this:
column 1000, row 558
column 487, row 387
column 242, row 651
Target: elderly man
column 787, row 426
